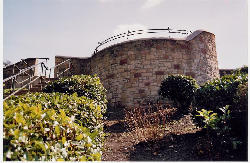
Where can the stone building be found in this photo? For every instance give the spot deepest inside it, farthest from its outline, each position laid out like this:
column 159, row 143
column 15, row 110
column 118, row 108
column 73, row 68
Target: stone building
column 133, row 70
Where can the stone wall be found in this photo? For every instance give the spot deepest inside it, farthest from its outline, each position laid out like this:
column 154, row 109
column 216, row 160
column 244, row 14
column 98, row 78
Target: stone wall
column 78, row 65
column 132, row 71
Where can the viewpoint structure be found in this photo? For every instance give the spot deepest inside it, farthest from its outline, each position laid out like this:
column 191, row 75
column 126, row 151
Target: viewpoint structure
column 132, row 71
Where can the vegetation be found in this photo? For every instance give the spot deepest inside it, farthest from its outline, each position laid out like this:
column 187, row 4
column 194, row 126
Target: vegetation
column 226, row 99
column 219, row 92
column 180, row 89
column 66, row 122
column 9, row 91
column 55, row 126
column 84, row 85
column 151, row 116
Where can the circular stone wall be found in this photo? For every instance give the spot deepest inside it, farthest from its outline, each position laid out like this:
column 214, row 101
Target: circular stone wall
column 133, row 71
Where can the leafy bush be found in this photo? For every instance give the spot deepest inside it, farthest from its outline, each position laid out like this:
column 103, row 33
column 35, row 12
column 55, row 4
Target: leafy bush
column 239, row 114
column 219, row 128
column 180, row 89
column 215, row 122
column 230, row 91
column 219, row 92
column 242, row 70
column 53, row 126
column 83, row 85
column 209, row 118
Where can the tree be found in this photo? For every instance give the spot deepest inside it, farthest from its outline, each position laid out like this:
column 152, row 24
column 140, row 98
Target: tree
column 6, row 63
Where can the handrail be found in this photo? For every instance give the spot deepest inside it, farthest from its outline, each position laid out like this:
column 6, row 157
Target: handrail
column 68, row 60
column 63, row 72
column 21, row 88
column 31, row 75
column 60, row 63
column 22, row 71
column 23, row 60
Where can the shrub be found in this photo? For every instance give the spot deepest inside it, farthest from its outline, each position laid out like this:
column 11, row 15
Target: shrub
column 219, row 129
column 219, row 92
column 53, row 126
column 215, row 122
column 149, row 121
column 83, row 85
column 239, row 113
column 230, row 91
column 242, row 70
column 180, row 89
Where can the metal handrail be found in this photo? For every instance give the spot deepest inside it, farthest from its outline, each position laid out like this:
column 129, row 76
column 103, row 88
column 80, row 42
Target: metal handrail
column 21, row 88
column 30, row 76
column 68, row 60
column 60, row 63
column 22, row 71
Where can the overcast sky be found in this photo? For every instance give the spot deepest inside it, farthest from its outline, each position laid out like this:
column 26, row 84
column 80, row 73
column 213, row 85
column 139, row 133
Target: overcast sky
column 45, row 28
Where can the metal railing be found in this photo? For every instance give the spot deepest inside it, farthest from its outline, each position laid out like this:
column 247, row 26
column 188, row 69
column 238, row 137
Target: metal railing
column 29, row 72
column 31, row 78
column 58, row 74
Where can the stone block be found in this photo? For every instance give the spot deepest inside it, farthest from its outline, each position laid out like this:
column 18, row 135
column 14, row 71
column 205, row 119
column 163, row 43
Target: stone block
column 123, row 61
column 159, row 73
column 177, row 66
column 147, row 83
column 109, row 76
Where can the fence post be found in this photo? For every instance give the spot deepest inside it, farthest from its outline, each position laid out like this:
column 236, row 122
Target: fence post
column 69, row 68
column 13, row 84
column 49, row 73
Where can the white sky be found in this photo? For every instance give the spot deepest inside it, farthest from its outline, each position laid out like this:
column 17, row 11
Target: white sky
column 45, row 28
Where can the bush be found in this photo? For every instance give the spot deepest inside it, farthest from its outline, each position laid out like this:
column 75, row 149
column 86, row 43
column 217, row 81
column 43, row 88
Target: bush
column 53, row 126
column 83, row 85
column 180, row 89
column 218, row 129
column 212, row 121
column 219, row 92
column 230, row 91
column 242, row 70
column 239, row 114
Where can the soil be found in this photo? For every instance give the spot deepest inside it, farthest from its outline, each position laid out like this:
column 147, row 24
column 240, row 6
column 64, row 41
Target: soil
column 181, row 140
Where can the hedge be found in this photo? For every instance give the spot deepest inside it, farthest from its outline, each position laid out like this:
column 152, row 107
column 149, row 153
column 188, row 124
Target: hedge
column 52, row 127
column 84, row 85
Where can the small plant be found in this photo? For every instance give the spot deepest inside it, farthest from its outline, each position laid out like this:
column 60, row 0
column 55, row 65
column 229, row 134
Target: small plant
column 180, row 89
column 215, row 122
column 210, row 119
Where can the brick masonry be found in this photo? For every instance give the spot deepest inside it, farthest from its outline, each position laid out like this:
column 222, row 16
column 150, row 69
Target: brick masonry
column 133, row 70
